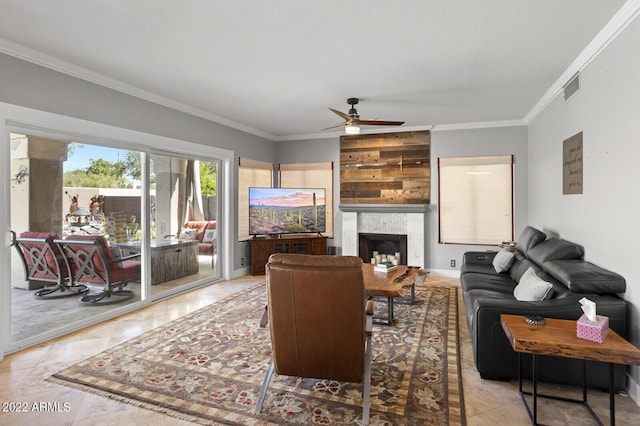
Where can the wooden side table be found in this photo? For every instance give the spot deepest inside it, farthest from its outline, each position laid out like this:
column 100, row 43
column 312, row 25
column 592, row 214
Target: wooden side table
column 558, row 338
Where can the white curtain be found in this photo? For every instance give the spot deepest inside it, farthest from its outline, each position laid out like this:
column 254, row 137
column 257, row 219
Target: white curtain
column 193, row 193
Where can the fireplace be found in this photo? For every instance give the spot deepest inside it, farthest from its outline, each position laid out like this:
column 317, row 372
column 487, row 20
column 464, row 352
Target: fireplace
column 384, row 244
column 388, row 221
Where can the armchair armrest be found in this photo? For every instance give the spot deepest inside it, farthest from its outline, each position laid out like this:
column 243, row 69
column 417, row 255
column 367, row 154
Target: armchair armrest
column 123, row 258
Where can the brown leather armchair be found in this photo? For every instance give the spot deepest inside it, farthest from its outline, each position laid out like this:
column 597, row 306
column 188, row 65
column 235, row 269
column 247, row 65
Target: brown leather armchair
column 320, row 320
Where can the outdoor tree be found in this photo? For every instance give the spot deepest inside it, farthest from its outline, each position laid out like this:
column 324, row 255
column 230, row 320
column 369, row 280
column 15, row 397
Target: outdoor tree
column 208, row 178
column 99, row 174
column 133, row 164
column 81, row 179
column 102, row 173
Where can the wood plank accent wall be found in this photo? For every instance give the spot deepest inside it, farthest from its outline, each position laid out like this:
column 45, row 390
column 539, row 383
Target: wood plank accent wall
column 389, row 168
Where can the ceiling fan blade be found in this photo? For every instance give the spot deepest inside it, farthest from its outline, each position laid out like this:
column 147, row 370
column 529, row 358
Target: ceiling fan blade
column 337, row 125
column 346, row 117
column 380, row 123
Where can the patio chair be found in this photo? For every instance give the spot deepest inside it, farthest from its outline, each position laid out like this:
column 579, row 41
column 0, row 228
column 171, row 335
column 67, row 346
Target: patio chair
column 43, row 261
column 320, row 321
column 92, row 263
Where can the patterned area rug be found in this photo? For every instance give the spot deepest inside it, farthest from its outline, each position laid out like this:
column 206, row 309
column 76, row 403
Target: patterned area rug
column 208, row 367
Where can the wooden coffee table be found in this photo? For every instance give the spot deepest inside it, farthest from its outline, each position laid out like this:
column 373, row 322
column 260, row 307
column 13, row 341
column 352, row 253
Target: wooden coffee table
column 558, row 338
column 387, row 285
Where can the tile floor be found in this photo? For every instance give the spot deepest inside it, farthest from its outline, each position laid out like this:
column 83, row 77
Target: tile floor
column 66, row 310
column 22, row 376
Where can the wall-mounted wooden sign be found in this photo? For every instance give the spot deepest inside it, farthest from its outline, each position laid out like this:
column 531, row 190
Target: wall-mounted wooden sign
column 389, row 168
column 572, row 165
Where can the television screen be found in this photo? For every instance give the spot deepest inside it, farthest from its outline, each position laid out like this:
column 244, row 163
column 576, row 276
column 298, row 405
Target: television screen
column 286, row 211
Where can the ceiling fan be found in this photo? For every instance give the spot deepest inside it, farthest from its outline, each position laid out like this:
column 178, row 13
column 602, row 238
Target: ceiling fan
column 352, row 120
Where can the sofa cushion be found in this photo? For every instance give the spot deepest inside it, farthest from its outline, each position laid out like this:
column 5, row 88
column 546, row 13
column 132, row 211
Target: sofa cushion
column 529, row 238
column 501, row 283
column 478, row 268
column 520, row 266
column 555, row 249
column 503, row 260
column 532, row 288
column 584, row 277
column 205, row 249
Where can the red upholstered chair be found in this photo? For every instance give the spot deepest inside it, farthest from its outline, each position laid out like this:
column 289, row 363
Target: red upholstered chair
column 206, row 247
column 92, row 263
column 201, row 226
column 43, row 261
column 320, row 320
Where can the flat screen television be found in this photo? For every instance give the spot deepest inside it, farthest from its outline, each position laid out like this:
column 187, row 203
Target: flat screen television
column 275, row 211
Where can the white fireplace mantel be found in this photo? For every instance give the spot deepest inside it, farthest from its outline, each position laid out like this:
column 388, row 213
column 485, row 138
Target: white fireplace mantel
column 384, row 208
column 390, row 221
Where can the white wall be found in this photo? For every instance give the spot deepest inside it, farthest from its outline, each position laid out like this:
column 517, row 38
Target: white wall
column 605, row 217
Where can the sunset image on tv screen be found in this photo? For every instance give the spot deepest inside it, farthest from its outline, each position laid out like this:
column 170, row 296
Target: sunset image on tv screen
column 286, row 210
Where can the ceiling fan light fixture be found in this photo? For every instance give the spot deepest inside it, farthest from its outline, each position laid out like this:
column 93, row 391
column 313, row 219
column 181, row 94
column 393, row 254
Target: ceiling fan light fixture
column 352, row 120
column 352, row 129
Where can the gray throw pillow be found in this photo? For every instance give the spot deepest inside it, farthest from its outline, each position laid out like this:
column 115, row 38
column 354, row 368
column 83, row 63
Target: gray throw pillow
column 503, row 260
column 532, row 288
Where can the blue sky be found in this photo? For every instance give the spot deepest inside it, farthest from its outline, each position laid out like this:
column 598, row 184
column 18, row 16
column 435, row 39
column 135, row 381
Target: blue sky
column 84, row 152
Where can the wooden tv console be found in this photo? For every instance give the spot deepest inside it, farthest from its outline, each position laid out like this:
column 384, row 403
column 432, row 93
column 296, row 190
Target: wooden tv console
column 263, row 247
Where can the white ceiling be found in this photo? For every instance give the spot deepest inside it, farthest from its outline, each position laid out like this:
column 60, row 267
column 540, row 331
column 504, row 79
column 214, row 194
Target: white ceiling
column 273, row 68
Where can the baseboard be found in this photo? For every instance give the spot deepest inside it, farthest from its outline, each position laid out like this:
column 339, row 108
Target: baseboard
column 449, row 273
column 240, row 272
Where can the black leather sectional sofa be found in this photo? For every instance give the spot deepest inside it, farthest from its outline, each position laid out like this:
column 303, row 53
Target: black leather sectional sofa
column 487, row 294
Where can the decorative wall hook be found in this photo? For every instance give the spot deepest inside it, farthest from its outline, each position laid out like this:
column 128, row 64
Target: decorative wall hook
column 22, row 174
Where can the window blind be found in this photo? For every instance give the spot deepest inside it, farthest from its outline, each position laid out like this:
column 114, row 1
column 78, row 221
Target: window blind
column 475, row 203
column 251, row 173
column 311, row 175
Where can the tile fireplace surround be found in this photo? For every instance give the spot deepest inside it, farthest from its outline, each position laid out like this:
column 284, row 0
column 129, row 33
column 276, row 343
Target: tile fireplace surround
column 357, row 220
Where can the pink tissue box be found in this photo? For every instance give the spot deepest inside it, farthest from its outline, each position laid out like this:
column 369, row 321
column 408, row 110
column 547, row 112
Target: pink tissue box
column 595, row 331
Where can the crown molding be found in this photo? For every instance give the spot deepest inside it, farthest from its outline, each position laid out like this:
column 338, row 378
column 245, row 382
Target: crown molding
column 432, row 127
column 478, row 125
column 22, row 52
column 625, row 15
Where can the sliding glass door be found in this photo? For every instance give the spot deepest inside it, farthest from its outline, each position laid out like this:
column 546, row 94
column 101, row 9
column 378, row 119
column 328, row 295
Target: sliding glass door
column 183, row 222
column 61, row 189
